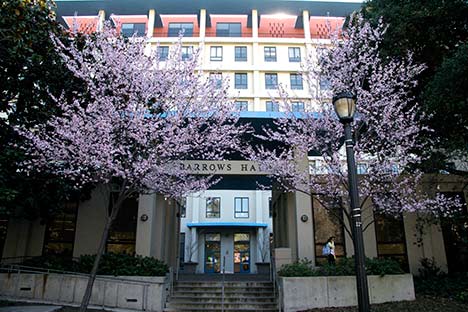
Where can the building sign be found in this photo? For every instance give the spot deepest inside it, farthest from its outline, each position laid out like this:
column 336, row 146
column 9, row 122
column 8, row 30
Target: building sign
column 222, row 167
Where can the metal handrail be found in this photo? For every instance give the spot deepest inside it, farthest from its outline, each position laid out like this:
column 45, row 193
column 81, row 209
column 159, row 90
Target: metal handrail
column 35, row 270
column 222, row 283
column 273, row 277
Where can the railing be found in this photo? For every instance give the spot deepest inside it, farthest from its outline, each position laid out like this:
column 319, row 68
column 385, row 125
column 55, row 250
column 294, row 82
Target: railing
column 21, row 269
column 222, row 283
column 276, row 290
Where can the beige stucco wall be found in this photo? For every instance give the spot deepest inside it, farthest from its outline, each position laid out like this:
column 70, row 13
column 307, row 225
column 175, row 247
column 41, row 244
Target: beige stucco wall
column 90, row 222
column 25, row 238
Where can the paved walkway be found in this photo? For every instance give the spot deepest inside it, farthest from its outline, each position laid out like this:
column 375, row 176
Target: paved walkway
column 30, row 308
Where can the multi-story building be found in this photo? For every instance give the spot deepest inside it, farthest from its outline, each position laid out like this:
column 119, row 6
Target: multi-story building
column 257, row 45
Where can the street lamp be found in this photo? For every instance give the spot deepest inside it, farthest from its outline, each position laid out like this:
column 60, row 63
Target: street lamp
column 345, row 107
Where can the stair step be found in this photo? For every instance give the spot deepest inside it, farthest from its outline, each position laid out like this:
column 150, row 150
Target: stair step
column 219, row 310
column 235, row 300
column 244, row 296
column 197, row 305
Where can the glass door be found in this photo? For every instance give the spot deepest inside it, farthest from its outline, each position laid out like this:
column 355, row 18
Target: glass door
column 242, row 253
column 212, row 253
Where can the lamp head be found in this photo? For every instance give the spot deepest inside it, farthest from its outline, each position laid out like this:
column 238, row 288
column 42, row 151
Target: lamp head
column 345, row 106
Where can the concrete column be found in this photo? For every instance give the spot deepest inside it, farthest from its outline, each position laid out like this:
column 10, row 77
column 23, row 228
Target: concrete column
column 146, row 207
column 258, row 207
column 255, row 59
column 306, row 25
column 303, row 208
column 17, row 238
column 193, row 245
column 102, row 18
column 195, row 209
column 255, row 24
column 151, row 18
column 202, row 25
column 90, row 222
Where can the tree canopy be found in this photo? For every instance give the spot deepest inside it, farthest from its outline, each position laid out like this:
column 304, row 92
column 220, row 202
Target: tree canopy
column 436, row 31
column 30, row 70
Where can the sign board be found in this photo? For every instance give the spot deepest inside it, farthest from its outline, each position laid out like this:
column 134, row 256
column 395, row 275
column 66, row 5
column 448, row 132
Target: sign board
column 222, row 167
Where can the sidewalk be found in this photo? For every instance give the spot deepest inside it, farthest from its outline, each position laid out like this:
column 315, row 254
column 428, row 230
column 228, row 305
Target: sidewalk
column 31, row 308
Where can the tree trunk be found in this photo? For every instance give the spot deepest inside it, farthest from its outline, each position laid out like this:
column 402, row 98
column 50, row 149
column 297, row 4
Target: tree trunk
column 102, row 245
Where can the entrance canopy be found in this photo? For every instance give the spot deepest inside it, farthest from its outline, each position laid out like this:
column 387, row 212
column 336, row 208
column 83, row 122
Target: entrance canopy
column 227, row 225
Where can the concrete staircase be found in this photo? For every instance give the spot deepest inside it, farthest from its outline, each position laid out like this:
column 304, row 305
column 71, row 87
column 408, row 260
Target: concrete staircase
column 207, row 296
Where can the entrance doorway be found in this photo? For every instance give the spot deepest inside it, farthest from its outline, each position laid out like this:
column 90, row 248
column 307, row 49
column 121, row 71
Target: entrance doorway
column 455, row 231
column 212, row 252
column 241, row 253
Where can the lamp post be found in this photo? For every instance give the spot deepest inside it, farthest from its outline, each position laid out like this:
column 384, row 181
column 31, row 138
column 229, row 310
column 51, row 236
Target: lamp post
column 345, row 107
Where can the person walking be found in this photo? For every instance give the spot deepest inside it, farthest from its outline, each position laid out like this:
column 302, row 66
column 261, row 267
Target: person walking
column 330, row 247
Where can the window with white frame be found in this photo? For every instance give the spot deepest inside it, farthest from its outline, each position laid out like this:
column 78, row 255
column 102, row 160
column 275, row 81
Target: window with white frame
column 240, row 54
column 162, row 52
column 270, row 54
column 217, row 79
column 271, row 81
column 216, row 53
column 241, row 207
column 296, row 82
column 175, row 29
column 240, row 81
column 213, row 207
column 130, row 29
column 187, row 52
column 272, row 106
column 297, row 107
column 294, row 54
column 228, row 30
column 242, row 106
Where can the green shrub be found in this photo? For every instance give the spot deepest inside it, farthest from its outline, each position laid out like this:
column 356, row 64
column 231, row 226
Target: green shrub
column 297, row 269
column 343, row 267
column 111, row 264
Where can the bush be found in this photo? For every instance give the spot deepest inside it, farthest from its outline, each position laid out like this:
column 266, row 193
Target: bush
column 297, row 269
column 343, row 267
column 111, row 264
column 432, row 281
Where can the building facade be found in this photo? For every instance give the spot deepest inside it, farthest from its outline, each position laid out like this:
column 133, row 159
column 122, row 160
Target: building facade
column 256, row 45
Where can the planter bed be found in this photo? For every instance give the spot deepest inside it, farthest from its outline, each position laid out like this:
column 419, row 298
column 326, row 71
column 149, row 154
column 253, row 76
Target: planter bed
column 302, row 293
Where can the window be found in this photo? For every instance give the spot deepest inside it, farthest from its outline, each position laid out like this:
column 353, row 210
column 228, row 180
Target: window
column 325, row 84
column 298, row 107
column 270, row 208
column 361, row 168
column 217, row 79
column 216, row 53
column 182, row 204
column 228, row 30
column 213, row 205
column 186, row 29
column 3, row 232
column 270, row 54
column 294, row 54
column 187, row 53
column 390, row 236
column 163, row 52
column 328, row 217
column 240, row 54
column 296, row 82
column 241, row 207
column 242, row 106
column 240, row 81
column 137, row 29
column 271, row 81
column 272, row 106
column 60, row 231
column 122, row 236
column 182, row 250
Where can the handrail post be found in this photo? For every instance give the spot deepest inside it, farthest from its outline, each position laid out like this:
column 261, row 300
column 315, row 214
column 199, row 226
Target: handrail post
column 222, row 283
